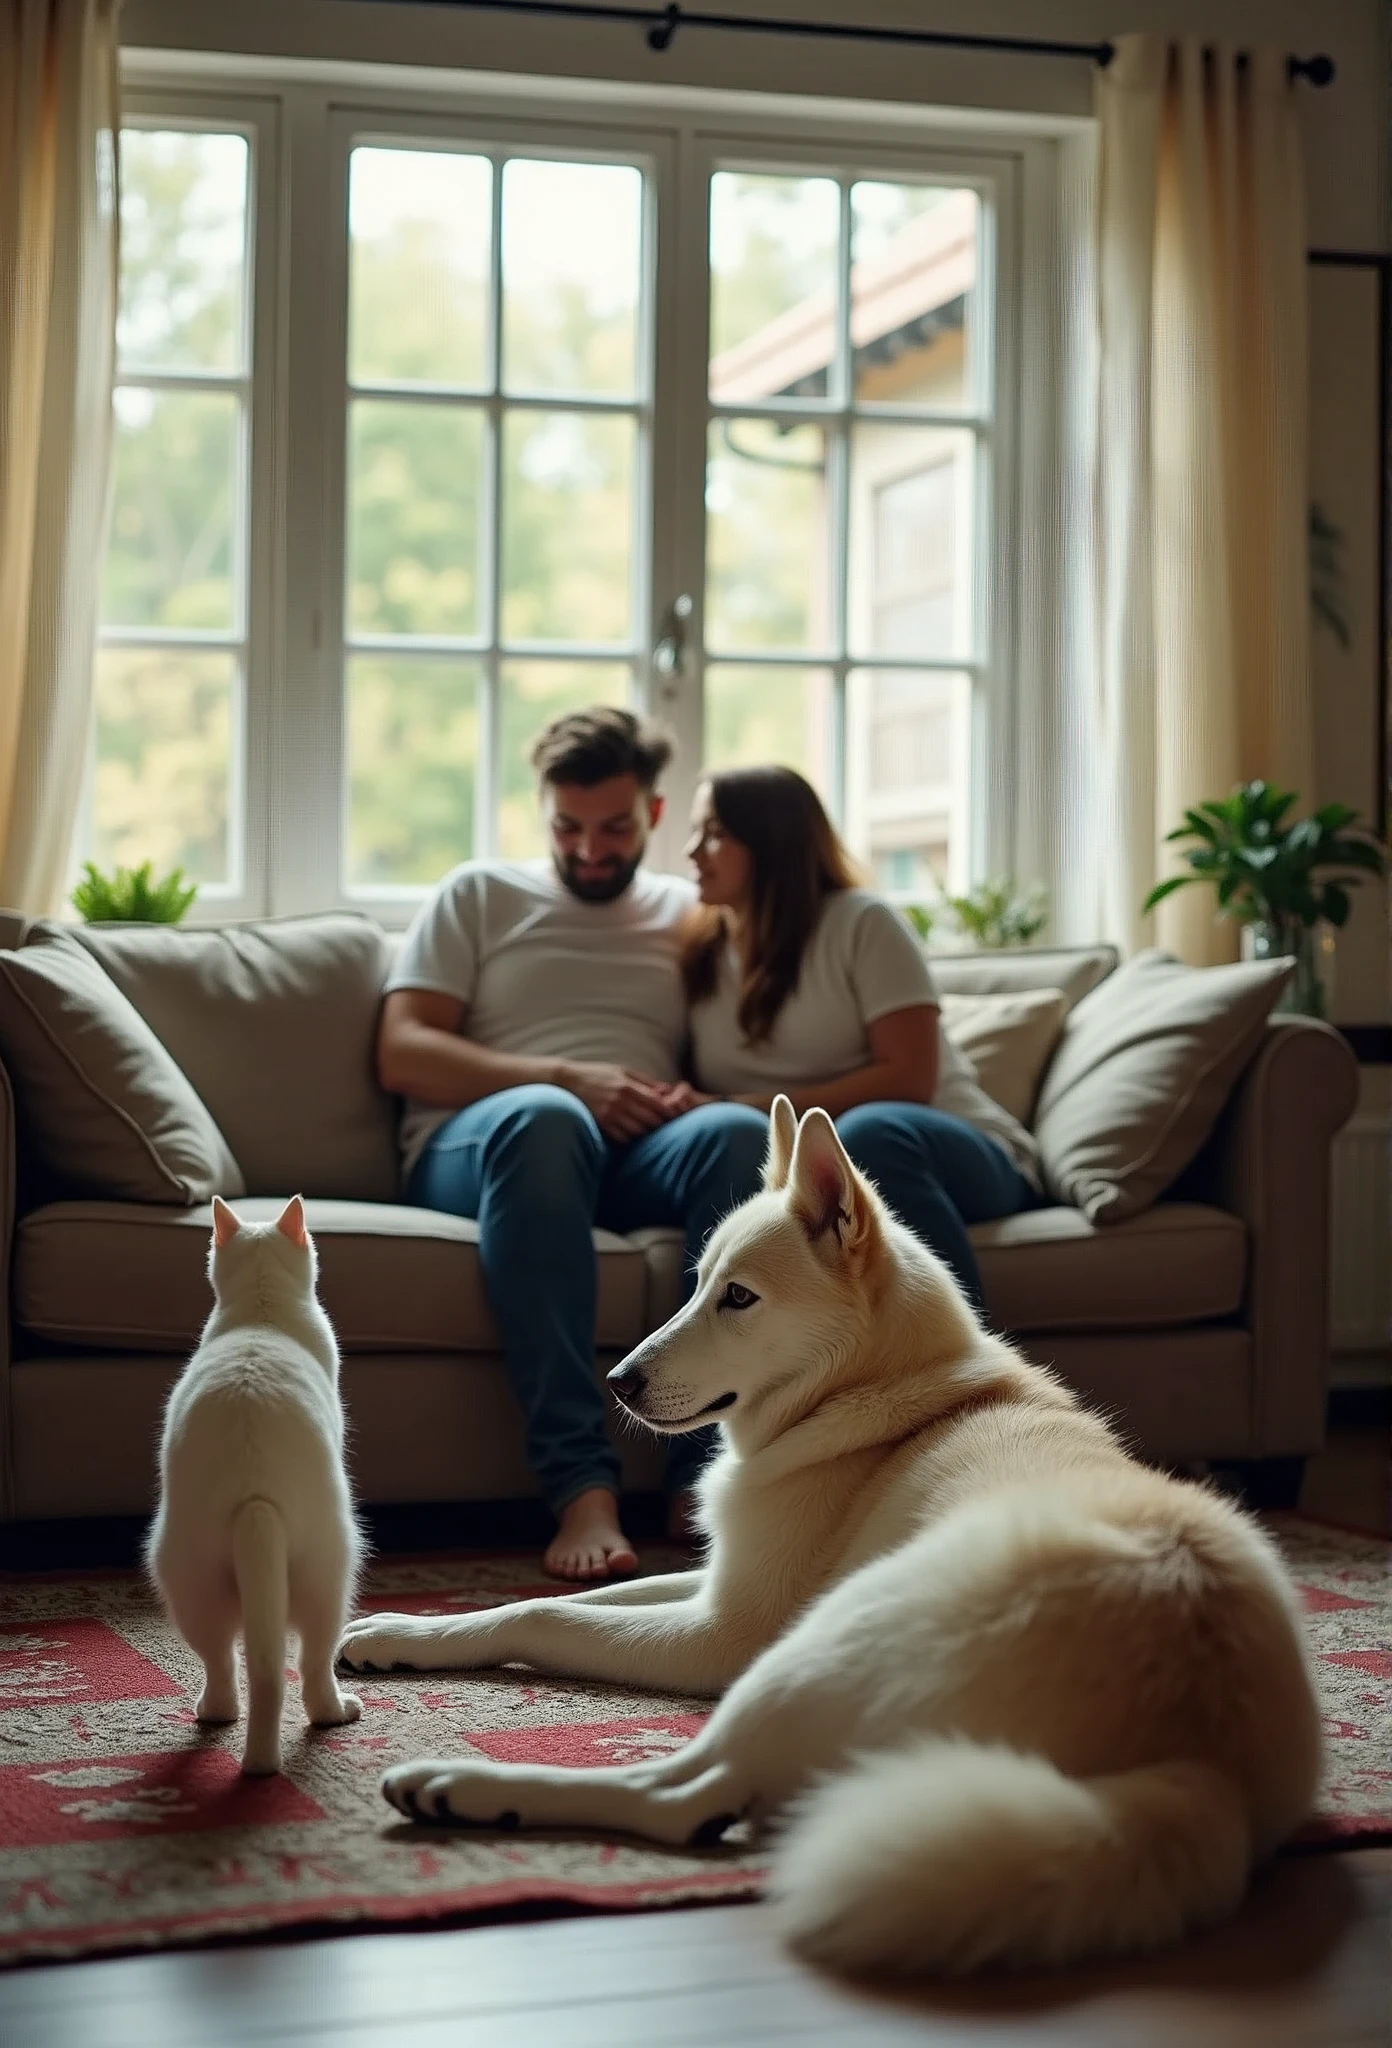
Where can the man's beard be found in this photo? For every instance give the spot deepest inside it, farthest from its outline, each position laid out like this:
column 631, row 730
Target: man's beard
column 602, row 888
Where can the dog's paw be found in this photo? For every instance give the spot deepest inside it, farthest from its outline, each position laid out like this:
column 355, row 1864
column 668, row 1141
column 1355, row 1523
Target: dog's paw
column 460, row 1793
column 395, row 1642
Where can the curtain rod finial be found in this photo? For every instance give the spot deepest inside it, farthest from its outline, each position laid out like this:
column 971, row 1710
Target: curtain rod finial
column 1320, row 71
column 661, row 31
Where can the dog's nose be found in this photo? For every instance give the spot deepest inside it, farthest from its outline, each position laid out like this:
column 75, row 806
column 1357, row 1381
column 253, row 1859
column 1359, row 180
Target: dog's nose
column 628, row 1382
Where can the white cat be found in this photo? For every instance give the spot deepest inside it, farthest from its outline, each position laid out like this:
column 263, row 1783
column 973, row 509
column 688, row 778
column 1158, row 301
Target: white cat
column 255, row 1530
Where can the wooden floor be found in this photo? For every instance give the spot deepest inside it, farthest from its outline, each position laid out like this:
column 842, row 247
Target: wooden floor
column 1305, row 1962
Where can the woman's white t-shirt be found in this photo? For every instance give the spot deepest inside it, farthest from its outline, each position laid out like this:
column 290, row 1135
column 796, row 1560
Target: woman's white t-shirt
column 862, row 962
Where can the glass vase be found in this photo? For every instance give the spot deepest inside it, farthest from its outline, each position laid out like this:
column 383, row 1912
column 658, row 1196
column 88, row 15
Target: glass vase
column 1310, row 990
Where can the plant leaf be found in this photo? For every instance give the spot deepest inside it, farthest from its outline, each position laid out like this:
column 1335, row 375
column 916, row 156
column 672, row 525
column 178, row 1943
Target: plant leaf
column 1164, row 889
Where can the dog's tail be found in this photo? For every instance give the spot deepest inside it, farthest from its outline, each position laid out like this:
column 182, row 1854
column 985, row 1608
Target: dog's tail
column 953, row 1855
column 261, row 1569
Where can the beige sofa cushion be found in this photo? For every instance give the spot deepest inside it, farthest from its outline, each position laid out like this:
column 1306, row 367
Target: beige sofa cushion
column 1142, row 1072
column 1009, row 1039
column 1050, row 1269
column 120, row 1277
column 103, row 1107
column 1073, row 970
column 274, row 1025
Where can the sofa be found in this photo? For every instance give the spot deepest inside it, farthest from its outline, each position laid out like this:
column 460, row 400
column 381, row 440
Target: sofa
column 1201, row 1323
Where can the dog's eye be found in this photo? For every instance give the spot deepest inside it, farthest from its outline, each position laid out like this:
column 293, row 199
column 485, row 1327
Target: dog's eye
column 736, row 1296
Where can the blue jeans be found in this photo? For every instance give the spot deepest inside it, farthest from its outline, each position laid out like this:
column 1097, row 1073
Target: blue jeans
column 938, row 1174
column 534, row 1169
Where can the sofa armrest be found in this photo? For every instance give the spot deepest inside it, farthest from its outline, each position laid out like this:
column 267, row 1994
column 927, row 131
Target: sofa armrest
column 1269, row 1163
column 8, row 1214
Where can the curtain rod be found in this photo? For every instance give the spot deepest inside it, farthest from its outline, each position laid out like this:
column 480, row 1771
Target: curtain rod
column 663, row 25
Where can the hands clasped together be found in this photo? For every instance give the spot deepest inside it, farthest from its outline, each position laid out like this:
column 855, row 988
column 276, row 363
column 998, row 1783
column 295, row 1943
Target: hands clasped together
column 625, row 1104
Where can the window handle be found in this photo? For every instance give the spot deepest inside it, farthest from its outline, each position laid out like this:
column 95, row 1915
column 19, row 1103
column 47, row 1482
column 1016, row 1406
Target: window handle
column 669, row 651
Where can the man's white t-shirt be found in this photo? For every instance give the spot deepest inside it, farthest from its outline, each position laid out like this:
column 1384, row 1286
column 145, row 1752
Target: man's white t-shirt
column 862, row 962
column 544, row 975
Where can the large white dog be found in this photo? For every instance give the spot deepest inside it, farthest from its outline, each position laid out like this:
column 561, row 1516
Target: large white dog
column 1007, row 1695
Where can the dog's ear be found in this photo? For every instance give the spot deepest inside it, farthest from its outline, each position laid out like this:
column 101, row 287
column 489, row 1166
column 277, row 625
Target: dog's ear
column 827, row 1195
column 782, row 1138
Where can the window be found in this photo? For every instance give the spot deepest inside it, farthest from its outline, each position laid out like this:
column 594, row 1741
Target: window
column 846, row 345
column 420, row 446
column 495, row 487
column 168, row 781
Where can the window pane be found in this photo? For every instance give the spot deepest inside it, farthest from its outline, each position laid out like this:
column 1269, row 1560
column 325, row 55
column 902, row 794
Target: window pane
column 567, row 526
column 412, row 767
column 907, row 776
column 571, row 270
column 419, row 224
column 910, row 586
column 183, row 250
column 773, row 243
column 176, row 519
column 415, row 481
column 532, row 694
column 761, row 716
column 915, row 254
column 767, row 540
column 164, row 724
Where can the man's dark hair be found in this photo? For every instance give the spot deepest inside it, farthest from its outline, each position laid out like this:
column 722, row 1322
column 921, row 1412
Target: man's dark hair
column 587, row 747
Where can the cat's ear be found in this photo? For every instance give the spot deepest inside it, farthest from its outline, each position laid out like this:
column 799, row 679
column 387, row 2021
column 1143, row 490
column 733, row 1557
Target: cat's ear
column 226, row 1223
column 291, row 1223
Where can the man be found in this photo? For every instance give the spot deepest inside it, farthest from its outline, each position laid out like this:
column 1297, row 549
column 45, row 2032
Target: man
column 535, row 1021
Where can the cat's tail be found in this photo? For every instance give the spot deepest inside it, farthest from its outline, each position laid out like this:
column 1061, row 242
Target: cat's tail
column 260, row 1566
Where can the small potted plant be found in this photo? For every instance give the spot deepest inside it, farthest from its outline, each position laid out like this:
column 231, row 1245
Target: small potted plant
column 131, row 895
column 1282, row 880
column 991, row 915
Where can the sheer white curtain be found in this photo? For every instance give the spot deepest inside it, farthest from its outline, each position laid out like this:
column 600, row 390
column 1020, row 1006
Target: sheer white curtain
column 58, row 285
column 1199, row 671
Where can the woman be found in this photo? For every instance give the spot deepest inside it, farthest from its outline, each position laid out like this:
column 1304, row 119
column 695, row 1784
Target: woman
column 802, row 983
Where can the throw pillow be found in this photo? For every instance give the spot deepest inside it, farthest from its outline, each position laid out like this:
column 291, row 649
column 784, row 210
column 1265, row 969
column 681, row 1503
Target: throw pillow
column 274, row 1023
column 1008, row 1039
column 1143, row 1070
column 105, row 1110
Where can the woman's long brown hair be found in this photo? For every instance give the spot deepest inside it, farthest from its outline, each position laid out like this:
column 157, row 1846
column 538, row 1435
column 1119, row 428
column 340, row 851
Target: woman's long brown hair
column 796, row 862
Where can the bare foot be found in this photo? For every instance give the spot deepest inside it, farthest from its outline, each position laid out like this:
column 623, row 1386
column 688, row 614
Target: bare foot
column 589, row 1544
column 682, row 1525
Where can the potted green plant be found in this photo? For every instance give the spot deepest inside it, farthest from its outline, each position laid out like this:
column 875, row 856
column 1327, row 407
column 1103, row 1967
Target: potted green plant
column 994, row 915
column 131, row 895
column 1282, row 879
column 990, row 914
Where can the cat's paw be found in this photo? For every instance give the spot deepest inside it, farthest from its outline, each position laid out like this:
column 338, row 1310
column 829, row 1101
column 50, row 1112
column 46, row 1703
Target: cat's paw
column 216, row 1708
column 397, row 1642
column 337, row 1712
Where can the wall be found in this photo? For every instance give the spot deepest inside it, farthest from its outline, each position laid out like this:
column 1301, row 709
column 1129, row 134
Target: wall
column 1346, row 125
column 1346, row 139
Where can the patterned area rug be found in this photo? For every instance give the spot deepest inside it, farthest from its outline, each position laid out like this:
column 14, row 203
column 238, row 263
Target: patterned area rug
column 122, row 1825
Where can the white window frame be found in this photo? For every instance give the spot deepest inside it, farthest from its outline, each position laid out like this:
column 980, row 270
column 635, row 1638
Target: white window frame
column 304, row 114
column 988, row 661
column 253, row 638
column 349, row 128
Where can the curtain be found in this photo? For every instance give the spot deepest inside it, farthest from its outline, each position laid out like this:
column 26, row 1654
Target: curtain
column 58, row 288
column 1200, row 673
